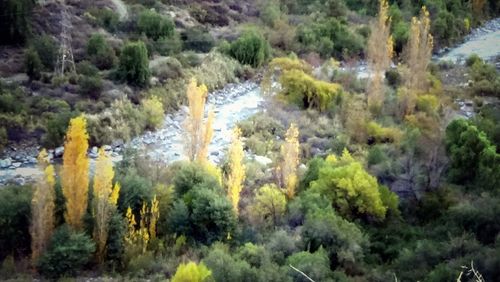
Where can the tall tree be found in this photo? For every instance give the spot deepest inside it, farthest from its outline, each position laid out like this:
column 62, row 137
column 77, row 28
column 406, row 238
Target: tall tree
column 198, row 133
column 380, row 52
column 236, row 169
column 75, row 172
column 42, row 208
column 104, row 201
column 418, row 52
column 290, row 161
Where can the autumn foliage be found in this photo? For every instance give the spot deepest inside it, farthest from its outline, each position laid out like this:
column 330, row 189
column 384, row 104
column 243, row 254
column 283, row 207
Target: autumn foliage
column 75, row 172
column 42, row 208
column 290, row 161
column 198, row 133
column 379, row 55
column 104, row 201
column 419, row 52
column 236, row 175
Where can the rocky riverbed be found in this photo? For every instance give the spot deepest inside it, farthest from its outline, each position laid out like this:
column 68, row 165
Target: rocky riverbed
column 231, row 104
column 483, row 41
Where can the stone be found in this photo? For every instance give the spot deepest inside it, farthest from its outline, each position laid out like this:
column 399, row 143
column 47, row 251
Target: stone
column 263, row 160
column 5, row 163
column 107, row 148
column 58, row 152
column 19, row 181
column 17, row 164
column 94, row 150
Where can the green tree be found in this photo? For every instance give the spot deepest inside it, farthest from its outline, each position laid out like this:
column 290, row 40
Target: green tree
column 350, row 188
column 68, row 253
column 155, row 25
column 315, row 265
column 100, row 53
column 32, row 64
column 343, row 239
column 134, row 63
column 250, row 49
column 269, row 205
column 46, row 48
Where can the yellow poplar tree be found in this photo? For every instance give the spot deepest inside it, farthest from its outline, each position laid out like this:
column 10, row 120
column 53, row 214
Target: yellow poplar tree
column 198, row 133
column 418, row 52
column 154, row 215
column 290, row 157
column 42, row 208
column 75, row 172
column 236, row 169
column 380, row 52
column 104, row 201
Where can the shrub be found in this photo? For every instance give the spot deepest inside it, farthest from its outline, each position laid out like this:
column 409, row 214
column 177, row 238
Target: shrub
column 15, row 215
column 46, row 48
column 191, row 272
column 87, row 69
column 32, row 64
column 215, row 71
column 168, row 46
column 472, row 60
column 343, row 239
column 307, row 92
column 152, row 108
column 350, row 188
column 226, row 268
column 198, row 40
column 381, row 134
column 316, row 265
column 269, row 205
column 100, row 53
column 90, row 86
column 250, row 49
column 170, row 68
column 105, row 18
column 68, row 253
column 393, row 78
column 3, row 138
column 134, row 191
column 56, row 128
column 134, row 63
column 428, row 104
column 155, row 25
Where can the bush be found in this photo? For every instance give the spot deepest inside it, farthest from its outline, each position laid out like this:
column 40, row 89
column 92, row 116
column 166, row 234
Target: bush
column 56, row 128
column 170, row 68
column 15, row 215
column 4, row 139
column 135, row 190
column 343, row 239
column 155, row 25
column 316, row 265
column 168, row 46
column 46, row 48
column 152, row 108
column 225, row 268
column 250, row 49
column 134, row 63
column 32, row 64
column 379, row 134
column 87, row 69
column 191, row 272
column 100, row 53
column 393, row 78
column 303, row 90
column 106, row 18
column 198, row 40
column 67, row 254
column 428, row 104
column 90, row 86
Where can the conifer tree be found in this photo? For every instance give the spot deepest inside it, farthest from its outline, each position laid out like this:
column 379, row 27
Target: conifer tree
column 42, row 208
column 380, row 52
column 236, row 169
column 290, row 161
column 198, row 133
column 75, row 172
column 104, row 201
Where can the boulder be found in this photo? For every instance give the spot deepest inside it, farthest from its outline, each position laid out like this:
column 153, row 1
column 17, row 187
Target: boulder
column 58, row 152
column 5, row 163
column 265, row 161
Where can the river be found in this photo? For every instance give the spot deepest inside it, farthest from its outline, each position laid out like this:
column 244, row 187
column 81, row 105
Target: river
column 236, row 102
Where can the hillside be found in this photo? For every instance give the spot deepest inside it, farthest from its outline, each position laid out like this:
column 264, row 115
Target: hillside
column 229, row 140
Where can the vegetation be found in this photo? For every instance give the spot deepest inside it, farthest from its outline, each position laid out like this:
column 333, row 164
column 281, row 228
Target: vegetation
column 343, row 173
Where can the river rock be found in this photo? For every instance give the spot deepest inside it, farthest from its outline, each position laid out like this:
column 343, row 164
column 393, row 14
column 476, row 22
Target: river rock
column 5, row 163
column 17, row 165
column 107, row 148
column 19, row 181
column 58, row 152
column 117, row 143
column 263, row 160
